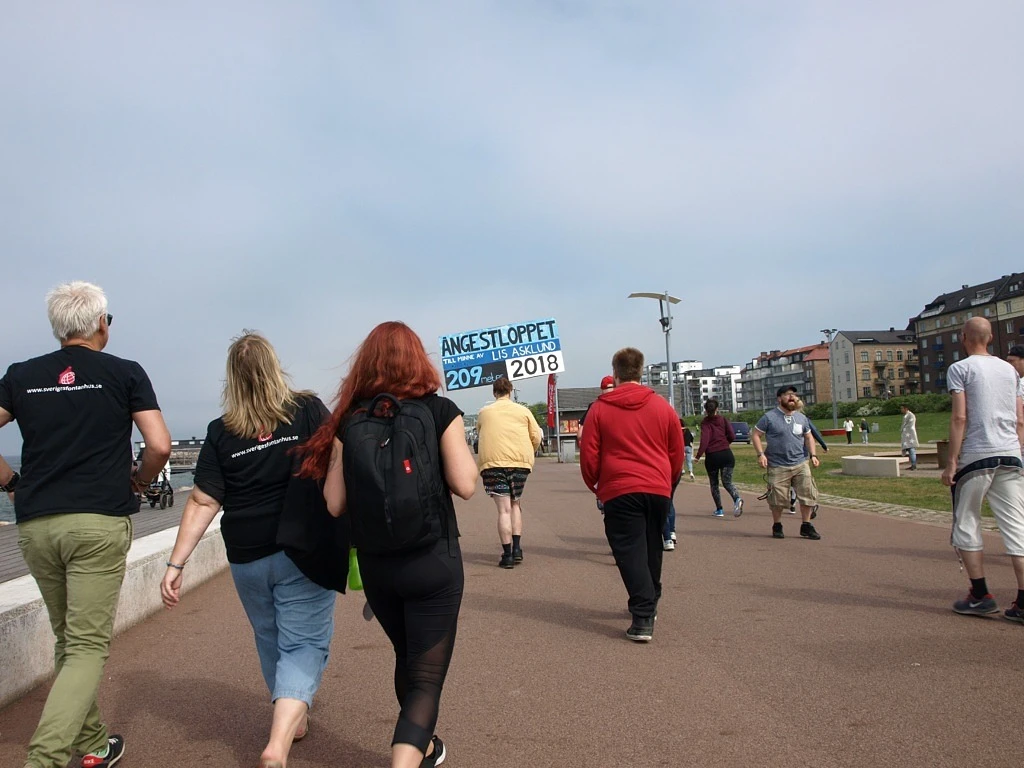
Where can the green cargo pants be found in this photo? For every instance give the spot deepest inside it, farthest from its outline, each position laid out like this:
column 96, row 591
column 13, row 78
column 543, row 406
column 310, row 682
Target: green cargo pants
column 78, row 561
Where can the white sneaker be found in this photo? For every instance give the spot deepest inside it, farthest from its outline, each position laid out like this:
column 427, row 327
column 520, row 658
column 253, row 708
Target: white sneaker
column 668, row 545
column 672, row 536
column 692, row 477
column 791, row 511
column 737, row 510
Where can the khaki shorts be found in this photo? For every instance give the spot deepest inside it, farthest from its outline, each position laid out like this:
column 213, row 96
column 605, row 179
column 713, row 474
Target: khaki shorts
column 799, row 476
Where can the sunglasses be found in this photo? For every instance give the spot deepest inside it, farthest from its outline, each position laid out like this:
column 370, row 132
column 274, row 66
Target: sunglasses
column 110, row 319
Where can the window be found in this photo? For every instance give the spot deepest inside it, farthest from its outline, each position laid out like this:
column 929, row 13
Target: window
column 888, row 355
column 878, row 355
column 865, row 374
column 927, row 377
column 924, row 343
column 968, row 316
column 889, row 373
column 954, row 338
column 988, row 312
column 849, row 394
column 940, row 357
column 956, row 355
column 938, row 339
column 846, row 358
column 901, row 374
column 1009, row 325
column 924, row 360
column 847, row 375
column 1007, row 306
column 867, row 391
column 899, row 355
column 903, row 390
column 863, row 356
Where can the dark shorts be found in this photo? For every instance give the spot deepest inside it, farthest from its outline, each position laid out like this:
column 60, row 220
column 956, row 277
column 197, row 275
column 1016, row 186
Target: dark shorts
column 500, row 480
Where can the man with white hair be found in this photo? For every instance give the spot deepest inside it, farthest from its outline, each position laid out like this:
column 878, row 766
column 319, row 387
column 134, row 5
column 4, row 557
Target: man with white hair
column 75, row 408
column 985, row 434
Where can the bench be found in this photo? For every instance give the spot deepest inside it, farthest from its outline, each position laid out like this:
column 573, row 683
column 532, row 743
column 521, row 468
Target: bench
column 924, row 455
column 873, row 466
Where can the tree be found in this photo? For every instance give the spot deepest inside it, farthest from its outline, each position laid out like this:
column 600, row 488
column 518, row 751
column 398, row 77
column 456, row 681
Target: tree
column 540, row 413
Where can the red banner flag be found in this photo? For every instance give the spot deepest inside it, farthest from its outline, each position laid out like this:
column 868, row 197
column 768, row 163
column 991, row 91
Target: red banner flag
column 551, row 401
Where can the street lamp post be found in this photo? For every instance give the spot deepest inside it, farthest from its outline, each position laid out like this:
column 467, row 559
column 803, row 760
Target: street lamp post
column 832, row 375
column 665, row 302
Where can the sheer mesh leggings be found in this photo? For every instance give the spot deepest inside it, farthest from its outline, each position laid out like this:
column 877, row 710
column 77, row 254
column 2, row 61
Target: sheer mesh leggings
column 416, row 598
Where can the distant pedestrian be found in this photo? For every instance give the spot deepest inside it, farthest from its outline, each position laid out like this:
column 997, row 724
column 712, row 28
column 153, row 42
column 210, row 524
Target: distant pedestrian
column 607, row 383
column 669, row 532
column 76, row 408
column 790, row 445
column 864, row 431
column 415, row 592
column 908, row 435
column 631, row 456
column 716, row 437
column 509, row 437
column 688, row 447
column 246, row 467
column 986, row 431
column 848, row 426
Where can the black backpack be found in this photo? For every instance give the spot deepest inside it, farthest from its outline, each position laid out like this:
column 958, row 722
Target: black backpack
column 393, row 482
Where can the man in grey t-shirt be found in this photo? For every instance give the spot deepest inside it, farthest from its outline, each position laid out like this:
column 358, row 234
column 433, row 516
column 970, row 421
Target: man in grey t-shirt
column 985, row 435
column 790, row 442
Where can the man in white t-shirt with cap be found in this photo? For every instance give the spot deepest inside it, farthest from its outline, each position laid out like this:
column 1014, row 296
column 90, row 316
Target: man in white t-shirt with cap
column 985, row 435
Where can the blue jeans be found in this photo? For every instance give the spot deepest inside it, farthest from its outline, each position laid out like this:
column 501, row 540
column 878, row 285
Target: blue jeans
column 292, row 619
column 688, row 453
column 912, row 453
column 670, row 521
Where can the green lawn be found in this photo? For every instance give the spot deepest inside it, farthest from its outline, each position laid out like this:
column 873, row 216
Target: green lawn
column 930, row 426
column 924, row 492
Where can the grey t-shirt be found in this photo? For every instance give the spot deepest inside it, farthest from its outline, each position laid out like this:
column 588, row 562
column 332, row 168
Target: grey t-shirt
column 991, row 387
column 785, row 433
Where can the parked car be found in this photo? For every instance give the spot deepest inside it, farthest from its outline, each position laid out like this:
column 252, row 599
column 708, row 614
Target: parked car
column 742, row 430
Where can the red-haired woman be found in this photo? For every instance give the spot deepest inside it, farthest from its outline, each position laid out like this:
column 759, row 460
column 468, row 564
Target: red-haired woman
column 415, row 595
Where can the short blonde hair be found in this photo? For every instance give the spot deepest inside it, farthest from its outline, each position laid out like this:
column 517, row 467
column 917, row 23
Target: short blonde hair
column 75, row 310
column 257, row 396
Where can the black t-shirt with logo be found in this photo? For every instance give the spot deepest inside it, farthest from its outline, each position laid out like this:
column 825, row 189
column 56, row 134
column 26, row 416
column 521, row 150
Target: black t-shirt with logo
column 249, row 477
column 74, row 407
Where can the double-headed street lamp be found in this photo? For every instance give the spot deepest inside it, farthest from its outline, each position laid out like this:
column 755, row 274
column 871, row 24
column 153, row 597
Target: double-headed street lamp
column 832, row 374
column 665, row 302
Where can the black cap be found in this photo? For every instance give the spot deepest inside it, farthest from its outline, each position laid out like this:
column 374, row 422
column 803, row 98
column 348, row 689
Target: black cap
column 1017, row 350
column 782, row 390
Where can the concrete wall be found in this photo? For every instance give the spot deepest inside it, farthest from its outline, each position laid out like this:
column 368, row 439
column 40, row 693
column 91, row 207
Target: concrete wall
column 26, row 640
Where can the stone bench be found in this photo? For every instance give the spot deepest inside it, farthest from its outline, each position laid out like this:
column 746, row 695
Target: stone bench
column 873, row 466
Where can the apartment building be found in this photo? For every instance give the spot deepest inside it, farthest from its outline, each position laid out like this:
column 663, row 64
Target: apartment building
column 721, row 383
column 806, row 368
column 875, row 364
column 939, row 324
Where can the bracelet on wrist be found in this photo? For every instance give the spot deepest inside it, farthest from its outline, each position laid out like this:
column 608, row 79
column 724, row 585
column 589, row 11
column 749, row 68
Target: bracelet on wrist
column 176, row 566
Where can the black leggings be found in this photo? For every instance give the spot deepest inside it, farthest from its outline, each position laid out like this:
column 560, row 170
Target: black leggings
column 416, row 598
column 721, row 462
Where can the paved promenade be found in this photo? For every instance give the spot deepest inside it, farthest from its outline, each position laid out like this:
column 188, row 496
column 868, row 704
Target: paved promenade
column 841, row 652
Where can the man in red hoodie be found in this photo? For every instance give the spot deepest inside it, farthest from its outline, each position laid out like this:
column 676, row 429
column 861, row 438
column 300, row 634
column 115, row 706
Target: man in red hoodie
column 631, row 455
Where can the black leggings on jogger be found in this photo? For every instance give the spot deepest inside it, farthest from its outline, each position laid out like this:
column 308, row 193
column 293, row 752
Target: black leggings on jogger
column 721, row 462
column 416, row 598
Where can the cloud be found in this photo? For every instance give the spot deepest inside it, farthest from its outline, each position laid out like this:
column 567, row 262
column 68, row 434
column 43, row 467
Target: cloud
column 313, row 169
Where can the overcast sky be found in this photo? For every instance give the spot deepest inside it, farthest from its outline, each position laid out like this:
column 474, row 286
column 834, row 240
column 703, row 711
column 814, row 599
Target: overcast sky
column 310, row 169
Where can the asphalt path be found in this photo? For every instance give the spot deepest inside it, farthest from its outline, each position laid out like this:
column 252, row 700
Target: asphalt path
column 840, row 652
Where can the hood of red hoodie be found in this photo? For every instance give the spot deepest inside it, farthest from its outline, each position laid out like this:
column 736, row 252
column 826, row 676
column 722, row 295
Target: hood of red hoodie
column 628, row 396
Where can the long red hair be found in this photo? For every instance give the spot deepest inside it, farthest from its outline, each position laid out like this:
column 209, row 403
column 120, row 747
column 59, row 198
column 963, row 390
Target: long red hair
column 391, row 359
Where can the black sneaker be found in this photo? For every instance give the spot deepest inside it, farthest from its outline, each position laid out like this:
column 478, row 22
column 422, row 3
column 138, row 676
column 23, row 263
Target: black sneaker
column 641, row 630
column 777, row 531
column 115, row 751
column 517, row 555
column 507, row 561
column 975, row 606
column 808, row 532
column 437, row 756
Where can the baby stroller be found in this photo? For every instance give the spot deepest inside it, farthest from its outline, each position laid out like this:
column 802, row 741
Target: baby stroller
column 160, row 492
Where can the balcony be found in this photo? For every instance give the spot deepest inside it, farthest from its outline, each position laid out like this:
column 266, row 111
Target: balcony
column 880, row 363
column 939, row 365
column 913, row 362
column 938, row 346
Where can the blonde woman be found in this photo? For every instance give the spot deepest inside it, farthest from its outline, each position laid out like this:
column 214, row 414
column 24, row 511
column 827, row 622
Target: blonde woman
column 246, row 467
